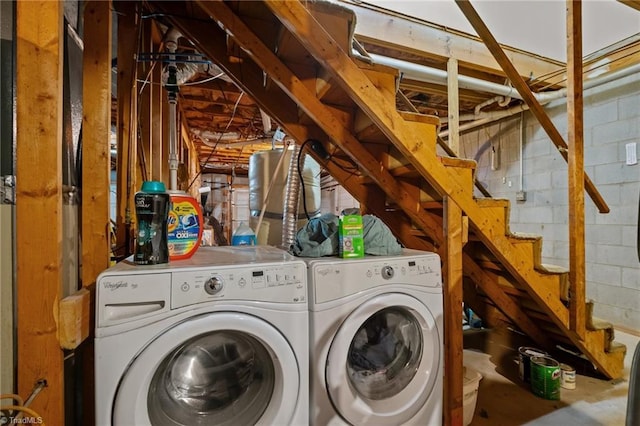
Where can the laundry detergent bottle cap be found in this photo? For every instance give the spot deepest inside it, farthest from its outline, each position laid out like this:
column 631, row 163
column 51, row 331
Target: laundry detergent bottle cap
column 243, row 236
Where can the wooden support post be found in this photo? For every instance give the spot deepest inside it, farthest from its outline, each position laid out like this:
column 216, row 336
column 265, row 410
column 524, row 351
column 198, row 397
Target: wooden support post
column 144, row 93
column 452, row 105
column 524, row 91
column 39, row 82
column 127, row 36
column 96, row 122
column 575, row 134
column 453, row 349
column 96, row 166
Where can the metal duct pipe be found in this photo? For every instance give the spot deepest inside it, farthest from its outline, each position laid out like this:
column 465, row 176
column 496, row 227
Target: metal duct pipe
column 291, row 199
column 188, row 70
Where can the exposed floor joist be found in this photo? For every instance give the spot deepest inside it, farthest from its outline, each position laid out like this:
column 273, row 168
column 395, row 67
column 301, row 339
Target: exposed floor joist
column 428, row 40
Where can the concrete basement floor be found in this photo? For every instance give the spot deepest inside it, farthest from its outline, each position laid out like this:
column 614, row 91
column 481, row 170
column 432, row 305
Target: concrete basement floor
column 503, row 399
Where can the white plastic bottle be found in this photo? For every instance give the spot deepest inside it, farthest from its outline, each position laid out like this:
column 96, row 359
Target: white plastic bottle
column 243, row 236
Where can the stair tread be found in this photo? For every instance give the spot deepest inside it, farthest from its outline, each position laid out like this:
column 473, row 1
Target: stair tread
column 492, row 202
column 458, row 162
column 422, row 118
column 599, row 324
column 524, row 236
column 617, row 347
column 552, row 269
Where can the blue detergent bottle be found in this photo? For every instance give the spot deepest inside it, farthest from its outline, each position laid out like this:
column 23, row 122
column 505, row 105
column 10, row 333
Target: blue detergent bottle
column 243, row 236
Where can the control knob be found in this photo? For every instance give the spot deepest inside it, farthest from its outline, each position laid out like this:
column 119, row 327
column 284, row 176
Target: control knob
column 213, row 285
column 387, row 272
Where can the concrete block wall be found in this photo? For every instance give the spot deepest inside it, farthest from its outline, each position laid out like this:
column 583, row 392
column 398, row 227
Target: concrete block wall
column 611, row 120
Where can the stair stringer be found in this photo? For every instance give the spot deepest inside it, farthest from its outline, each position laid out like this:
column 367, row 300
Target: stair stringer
column 543, row 288
column 411, row 144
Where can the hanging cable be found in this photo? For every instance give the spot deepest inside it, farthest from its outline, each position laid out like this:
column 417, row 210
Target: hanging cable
column 233, row 114
column 318, row 148
column 304, row 195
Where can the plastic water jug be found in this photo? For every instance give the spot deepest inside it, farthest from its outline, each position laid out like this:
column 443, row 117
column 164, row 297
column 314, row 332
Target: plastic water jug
column 243, row 236
column 152, row 210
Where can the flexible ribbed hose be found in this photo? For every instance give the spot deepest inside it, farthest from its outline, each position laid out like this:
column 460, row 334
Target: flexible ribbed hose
column 291, row 197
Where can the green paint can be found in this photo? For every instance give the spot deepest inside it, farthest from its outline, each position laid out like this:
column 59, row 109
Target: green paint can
column 545, row 377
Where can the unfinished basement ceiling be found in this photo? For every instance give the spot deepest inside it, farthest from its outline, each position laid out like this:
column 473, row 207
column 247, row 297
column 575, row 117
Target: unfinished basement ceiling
column 534, row 26
column 227, row 126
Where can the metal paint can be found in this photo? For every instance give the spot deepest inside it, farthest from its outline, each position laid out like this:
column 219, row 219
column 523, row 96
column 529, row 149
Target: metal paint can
column 567, row 376
column 524, row 361
column 545, row 377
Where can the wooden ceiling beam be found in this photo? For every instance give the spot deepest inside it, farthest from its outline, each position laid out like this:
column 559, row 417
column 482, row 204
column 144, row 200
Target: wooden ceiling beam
column 524, row 91
column 634, row 4
column 321, row 114
column 424, row 39
column 212, row 41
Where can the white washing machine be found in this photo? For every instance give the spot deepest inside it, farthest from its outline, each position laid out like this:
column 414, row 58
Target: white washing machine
column 221, row 338
column 376, row 330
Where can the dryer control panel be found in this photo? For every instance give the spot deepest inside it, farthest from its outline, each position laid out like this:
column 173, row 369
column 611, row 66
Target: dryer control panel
column 342, row 277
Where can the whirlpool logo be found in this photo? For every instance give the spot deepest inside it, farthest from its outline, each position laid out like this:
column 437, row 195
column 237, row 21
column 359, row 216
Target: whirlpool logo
column 113, row 286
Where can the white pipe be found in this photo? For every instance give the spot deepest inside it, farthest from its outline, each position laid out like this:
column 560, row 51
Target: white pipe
column 546, row 97
column 495, row 99
column 520, row 148
column 436, row 76
column 173, row 147
column 171, row 43
column 483, row 118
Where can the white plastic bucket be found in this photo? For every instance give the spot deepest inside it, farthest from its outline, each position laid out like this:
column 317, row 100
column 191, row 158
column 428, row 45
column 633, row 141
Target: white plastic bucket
column 470, row 386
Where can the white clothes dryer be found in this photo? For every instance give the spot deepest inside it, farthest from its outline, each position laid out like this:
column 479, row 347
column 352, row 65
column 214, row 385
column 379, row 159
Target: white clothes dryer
column 376, row 330
column 221, row 338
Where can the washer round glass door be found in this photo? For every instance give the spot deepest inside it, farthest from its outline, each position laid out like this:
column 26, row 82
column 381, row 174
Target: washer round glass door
column 383, row 361
column 219, row 368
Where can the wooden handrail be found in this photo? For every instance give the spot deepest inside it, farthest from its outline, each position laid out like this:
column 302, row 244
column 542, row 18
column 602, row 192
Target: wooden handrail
column 527, row 95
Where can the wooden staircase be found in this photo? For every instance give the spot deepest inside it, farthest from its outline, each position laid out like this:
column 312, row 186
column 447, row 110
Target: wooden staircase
column 295, row 60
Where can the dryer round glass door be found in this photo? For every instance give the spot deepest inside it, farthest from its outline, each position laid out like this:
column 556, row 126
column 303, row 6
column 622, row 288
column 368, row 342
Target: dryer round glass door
column 219, row 368
column 383, row 361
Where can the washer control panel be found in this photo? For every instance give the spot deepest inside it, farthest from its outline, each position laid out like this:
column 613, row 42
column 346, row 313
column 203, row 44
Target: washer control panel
column 265, row 283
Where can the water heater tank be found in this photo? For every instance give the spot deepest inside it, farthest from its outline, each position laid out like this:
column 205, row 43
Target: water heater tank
column 262, row 172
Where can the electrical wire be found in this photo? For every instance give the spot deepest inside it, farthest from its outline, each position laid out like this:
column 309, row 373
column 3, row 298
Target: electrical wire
column 15, row 397
column 347, row 166
column 233, row 114
column 21, row 407
column 205, row 80
column 304, row 193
